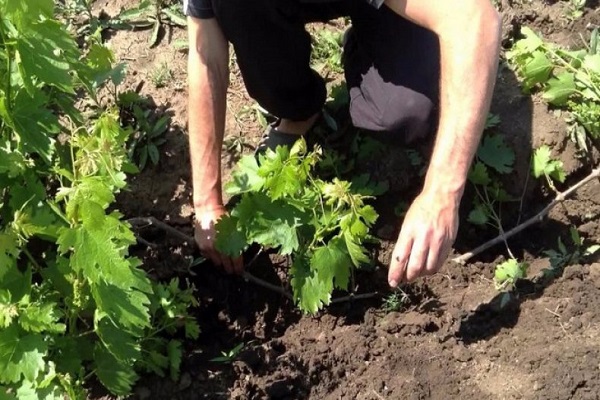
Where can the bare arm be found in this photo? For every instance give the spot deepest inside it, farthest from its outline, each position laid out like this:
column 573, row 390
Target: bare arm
column 208, row 79
column 208, row 74
column 469, row 34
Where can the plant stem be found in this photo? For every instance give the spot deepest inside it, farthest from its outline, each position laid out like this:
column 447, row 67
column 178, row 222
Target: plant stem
column 8, row 66
column 560, row 197
column 31, row 259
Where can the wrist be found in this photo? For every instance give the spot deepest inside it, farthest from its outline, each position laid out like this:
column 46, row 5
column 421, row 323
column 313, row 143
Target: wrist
column 208, row 208
column 445, row 188
column 208, row 200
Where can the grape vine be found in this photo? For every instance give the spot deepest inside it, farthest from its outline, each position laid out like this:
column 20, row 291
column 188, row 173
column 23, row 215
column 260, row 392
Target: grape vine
column 73, row 304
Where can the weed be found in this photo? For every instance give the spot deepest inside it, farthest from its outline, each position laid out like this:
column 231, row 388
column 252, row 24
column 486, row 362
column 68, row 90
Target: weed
column 227, row 357
column 576, row 9
column 153, row 14
column 395, row 301
column 327, row 51
column 235, row 144
column 562, row 257
column 161, row 75
column 149, row 133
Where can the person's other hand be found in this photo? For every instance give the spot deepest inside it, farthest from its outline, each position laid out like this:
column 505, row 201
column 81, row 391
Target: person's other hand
column 426, row 238
column 204, row 233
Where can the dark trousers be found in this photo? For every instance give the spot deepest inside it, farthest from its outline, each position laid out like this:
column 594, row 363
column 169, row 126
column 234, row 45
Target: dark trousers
column 391, row 65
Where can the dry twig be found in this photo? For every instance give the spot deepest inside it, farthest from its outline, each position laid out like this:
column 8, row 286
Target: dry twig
column 560, row 197
column 142, row 222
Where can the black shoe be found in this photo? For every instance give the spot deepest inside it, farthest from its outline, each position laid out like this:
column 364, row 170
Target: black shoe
column 273, row 138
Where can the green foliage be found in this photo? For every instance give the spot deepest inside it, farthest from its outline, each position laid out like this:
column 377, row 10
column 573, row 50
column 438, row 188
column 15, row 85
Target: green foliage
column 161, row 75
column 283, row 205
column 508, row 272
column 152, row 14
column 567, row 79
column 227, row 357
column 562, row 257
column 72, row 301
column 493, row 159
column 148, row 130
column 395, row 301
column 327, row 50
column 576, row 9
column 543, row 165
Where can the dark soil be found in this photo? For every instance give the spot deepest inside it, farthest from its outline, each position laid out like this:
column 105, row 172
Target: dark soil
column 456, row 336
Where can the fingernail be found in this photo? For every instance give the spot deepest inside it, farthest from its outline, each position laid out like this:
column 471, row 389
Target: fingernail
column 393, row 283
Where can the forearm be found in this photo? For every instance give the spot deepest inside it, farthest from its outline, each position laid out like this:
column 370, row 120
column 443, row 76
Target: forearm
column 468, row 73
column 469, row 34
column 208, row 80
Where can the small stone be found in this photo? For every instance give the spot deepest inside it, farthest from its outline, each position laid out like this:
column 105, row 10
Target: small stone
column 462, row 354
column 185, row 381
column 537, row 386
column 595, row 273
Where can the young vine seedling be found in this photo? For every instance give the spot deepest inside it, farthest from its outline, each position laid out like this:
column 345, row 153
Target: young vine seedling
column 283, row 205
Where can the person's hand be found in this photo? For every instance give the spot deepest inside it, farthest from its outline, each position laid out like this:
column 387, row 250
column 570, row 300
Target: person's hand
column 204, row 233
column 426, row 238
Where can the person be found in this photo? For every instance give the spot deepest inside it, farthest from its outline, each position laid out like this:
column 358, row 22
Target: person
column 411, row 66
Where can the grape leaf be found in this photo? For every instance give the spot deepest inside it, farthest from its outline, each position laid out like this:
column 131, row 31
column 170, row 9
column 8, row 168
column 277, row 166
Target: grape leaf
column 127, row 308
column 28, row 392
column 332, row 264
column 245, row 178
column 496, row 154
column 536, row 70
column 24, row 13
column 17, row 283
column 286, row 182
column 72, row 352
column 592, row 63
column 174, row 353
column 270, row 223
column 9, row 252
column 192, row 329
column 368, row 214
column 42, row 317
column 230, row 239
column 117, row 376
column 356, row 253
column 509, row 271
column 478, row 175
column 543, row 164
column 6, row 393
column 20, row 355
column 479, row 215
column 33, row 123
column 559, row 89
column 13, row 163
column 8, row 311
column 46, row 52
column 118, row 342
column 310, row 292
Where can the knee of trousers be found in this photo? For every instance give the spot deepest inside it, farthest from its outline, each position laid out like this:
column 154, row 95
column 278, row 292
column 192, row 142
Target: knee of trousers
column 407, row 113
